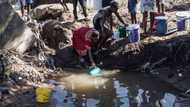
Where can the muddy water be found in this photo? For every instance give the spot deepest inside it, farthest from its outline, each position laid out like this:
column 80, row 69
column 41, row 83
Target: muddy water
column 117, row 89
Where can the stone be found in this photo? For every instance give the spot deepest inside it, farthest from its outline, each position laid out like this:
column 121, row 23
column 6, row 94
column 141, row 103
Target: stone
column 55, row 32
column 47, row 11
column 14, row 33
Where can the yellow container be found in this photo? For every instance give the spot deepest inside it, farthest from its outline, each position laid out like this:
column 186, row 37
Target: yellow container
column 42, row 94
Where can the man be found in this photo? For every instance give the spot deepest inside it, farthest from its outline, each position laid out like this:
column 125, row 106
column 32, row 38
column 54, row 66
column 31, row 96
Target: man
column 84, row 39
column 82, row 3
column 103, row 21
column 148, row 7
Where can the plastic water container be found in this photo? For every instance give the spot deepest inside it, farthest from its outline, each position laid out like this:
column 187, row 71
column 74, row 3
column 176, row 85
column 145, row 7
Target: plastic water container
column 95, row 71
column 133, row 33
column 161, row 24
column 183, row 20
column 122, row 31
column 42, row 94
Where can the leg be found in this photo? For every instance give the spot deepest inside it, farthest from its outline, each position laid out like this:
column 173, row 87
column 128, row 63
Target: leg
column 162, row 6
column 22, row 7
column 158, row 5
column 135, row 18
column 132, row 18
column 145, row 15
column 152, row 15
column 82, row 3
column 28, row 8
column 75, row 9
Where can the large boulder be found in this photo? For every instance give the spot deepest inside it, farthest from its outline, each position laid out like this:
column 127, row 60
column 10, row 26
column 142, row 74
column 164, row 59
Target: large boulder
column 55, row 33
column 14, row 33
column 47, row 11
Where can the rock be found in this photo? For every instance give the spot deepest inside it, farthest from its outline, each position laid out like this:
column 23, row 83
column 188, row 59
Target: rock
column 54, row 33
column 47, row 11
column 14, row 34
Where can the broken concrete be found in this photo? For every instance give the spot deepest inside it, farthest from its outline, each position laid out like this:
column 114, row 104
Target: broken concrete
column 14, row 34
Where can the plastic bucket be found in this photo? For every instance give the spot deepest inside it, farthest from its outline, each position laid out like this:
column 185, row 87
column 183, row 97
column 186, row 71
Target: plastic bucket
column 182, row 19
column 42, row 94
column 95, row 71
column 122, row 31
column 133, row 33
column 161, row 24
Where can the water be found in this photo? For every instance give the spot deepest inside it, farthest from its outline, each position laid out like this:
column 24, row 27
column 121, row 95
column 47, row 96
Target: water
column 119, row 89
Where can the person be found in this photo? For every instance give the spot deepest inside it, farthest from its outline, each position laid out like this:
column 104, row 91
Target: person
column 160, row 6
column 103, row 22
column 148, row 7
column 132, row 4
column 82, row 3
column 28, row 4
column 84, row 39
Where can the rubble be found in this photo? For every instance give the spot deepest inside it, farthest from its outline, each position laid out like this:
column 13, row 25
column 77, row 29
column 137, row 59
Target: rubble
column 47, row 11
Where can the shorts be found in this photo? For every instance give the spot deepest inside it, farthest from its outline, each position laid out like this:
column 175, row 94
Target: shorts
column 29, row 1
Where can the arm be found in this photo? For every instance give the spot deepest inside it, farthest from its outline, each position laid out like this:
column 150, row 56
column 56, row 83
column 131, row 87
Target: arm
column 119, row 17
column 91, row 58
column 111, row 23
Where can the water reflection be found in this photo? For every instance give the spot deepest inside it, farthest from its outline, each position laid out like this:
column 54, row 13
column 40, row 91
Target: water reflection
column 115, row 92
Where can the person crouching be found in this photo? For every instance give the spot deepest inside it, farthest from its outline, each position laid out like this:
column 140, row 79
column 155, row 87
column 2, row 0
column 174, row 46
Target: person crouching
column 84, row 39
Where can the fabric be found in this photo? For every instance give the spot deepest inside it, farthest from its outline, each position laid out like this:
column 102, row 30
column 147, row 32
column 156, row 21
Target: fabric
column 23, row 2
column 148, row 6
column 81, row 41
column 29, row 1
column 132, row 5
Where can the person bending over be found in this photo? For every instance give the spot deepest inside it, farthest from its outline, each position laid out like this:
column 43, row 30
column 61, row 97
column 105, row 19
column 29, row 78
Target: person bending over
column 84, row 39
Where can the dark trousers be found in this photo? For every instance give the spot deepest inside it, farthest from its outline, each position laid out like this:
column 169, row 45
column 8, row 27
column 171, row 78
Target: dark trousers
column 82, row 3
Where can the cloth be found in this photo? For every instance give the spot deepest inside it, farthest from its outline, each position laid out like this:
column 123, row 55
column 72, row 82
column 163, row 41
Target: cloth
column 22, row 2
column 148, row 6
column 132, row 5
column 29, row 1
column 81, row 41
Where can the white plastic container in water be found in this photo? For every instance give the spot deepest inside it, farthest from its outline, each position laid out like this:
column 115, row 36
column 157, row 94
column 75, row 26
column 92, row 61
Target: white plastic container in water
column 183, row 20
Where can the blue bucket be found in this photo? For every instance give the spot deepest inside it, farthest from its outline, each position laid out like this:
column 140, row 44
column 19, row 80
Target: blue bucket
column 181, row 24
column 182, row 17
column 133, row 33
column 161, row 24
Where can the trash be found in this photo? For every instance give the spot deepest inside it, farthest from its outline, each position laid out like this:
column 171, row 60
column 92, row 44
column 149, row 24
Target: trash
column 168, row 100
column 42, row 94
column 122, row 92
column 84, row 100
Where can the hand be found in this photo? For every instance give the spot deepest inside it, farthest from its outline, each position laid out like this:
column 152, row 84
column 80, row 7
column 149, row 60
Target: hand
column 93, row 64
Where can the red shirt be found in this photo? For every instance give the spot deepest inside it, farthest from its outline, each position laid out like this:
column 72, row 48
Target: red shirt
column 81, row 41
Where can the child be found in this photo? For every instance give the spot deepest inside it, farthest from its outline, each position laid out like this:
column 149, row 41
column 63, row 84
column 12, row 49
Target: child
column 84, row 39
column 132, row 4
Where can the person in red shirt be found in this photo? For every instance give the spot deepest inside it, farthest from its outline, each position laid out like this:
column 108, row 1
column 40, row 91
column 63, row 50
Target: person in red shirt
column 84, row 39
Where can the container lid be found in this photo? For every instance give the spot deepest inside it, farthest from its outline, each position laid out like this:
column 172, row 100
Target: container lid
column 185, row 14
column 133, row 26
column 161, row 17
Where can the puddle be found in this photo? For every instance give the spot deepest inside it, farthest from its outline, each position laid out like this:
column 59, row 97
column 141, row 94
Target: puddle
column 115, row 89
